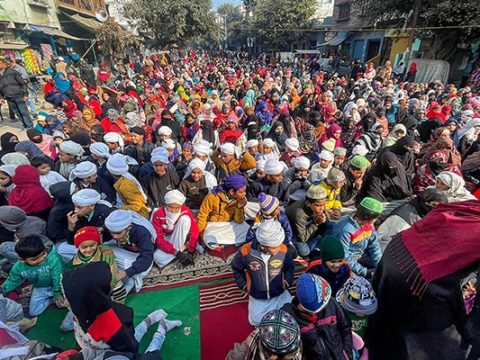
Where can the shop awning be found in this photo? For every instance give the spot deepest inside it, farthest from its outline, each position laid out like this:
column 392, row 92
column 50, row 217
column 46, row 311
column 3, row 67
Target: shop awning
column 13, row 46
column 60, row 33
column 88, row 24
column 337, row 39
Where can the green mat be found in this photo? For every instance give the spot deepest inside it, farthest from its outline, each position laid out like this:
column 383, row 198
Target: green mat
column 180, row 304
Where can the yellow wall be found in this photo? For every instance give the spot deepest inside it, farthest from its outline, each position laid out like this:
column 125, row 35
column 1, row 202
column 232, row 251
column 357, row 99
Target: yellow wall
column 399, row 45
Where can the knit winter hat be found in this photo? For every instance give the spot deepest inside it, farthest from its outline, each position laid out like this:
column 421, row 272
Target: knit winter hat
column 313, row 292
column 270, row 233
column 279, row 332
column 331, row 248
column 357, row 296
column 372, row 205
column 359, row 162
column 316, row 192
column 86, row 233
column 268, row 204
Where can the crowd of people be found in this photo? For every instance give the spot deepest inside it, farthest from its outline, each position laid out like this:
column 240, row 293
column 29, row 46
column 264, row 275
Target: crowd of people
column 370, row 183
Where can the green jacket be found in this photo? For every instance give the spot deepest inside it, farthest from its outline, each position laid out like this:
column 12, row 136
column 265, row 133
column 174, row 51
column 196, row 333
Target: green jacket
column 46, row 274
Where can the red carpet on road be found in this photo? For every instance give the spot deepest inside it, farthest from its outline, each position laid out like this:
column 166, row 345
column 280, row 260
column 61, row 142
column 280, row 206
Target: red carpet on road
column 223, row 319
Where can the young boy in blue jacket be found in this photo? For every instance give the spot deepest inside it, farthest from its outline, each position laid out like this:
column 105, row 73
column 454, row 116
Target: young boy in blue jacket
column 264, row 269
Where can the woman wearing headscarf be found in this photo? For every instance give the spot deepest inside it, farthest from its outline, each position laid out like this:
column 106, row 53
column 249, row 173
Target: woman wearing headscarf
column 468, row 134
column 349, row 131
column 207, row 133
column 404, row 150
column 398, row 131
column 387, row 181
column 333, row 132
column 196, row 184
column 427, row 127
column 371, row 140
column 277, row 134
column 8, row 141
column 263, row 113
column 249, row 98
column 421, row 275
column 88, row 120
column 28, row 194
column 426, row 174
column 453, row 186
column 404, row 216
column 444, row 143
column 42, row 141
column 29, row 148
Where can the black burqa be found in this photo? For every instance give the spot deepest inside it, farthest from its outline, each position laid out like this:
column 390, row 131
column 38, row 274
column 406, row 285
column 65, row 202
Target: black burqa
column 403, row 149
column 387, row 181
column 7, row 146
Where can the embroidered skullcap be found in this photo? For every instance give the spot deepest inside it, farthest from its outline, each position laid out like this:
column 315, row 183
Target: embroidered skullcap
column 175, row 197
column 117, row 164
column 100, row 149
column 301, row 162
column 159, row 154
column 292, row 144
column 71, row 148
column 273, row 167
column 270, row 233
column 86, row 197
column 326, row 155
column 118, row 220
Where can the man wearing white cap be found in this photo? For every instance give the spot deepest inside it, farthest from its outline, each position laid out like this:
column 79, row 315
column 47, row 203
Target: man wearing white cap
column 87, row 212
column 292, row 147
column 264, row 270
column 160, row 181
column 130, row 195
column 114, row 142
column 196, row 184
column 69, row 155
column 297, row 178
column 273, row 184
column 269, row 150
column 177, row 231
column 319, row 171
column 226, row 160
column 134, row 248
column 202, row 151
column 85, row 177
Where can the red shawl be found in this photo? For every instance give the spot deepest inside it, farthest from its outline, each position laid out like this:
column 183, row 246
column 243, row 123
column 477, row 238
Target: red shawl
column 442, row 243
column 28, row 194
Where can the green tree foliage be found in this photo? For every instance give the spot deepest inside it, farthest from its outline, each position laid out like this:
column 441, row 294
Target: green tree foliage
column 432, row 13
column 172, row 21
column 237, row 26
column 280, row 23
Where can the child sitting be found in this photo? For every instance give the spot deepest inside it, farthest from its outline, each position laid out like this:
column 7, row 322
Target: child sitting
column 297, row 178
column 48, row 177
column 90, row 249
column 358, row 301
column 264, row 270
column 42, row 269
column 331, row 265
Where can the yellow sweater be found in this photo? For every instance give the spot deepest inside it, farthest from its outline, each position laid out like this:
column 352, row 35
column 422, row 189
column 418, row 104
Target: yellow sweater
column 131, row 196
column 333, row 196
column 217, row 208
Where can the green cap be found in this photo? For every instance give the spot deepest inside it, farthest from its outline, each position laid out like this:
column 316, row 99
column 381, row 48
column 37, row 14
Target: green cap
column 359, row 162
column 331, row 248
column 372, row 205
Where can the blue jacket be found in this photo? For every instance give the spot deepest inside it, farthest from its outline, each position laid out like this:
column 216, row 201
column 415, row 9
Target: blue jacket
column 391, row 114
column 356, row 242
column 282, row 218
column 140, row 241
column 263, row 280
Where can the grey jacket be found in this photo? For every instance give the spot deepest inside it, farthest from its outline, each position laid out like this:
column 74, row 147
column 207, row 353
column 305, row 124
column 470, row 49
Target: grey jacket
column 301, row 219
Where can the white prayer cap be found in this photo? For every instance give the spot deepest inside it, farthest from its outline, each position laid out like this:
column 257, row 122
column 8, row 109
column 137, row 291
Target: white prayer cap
column 261, row 165
column 160, row 154
column 71, row 148
column 292, row 144
column 118, row 220
column 359, row 150
column 227, row 149
column 326, row 155
column 83, row 170
column 113, row 137
column 165, row 130
column 270, row 233
column 86, row 197
column 269, row 142
column 301, row 162
column 273, row 167
column 169, row 144
column 201, row 149
column 100, row 149
column 196, row 164
column 175, row 197
column 117, row 164
column 252, row 143
column 15, row 158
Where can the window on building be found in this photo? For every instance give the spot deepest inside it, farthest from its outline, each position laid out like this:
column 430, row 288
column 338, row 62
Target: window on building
column 344, row 11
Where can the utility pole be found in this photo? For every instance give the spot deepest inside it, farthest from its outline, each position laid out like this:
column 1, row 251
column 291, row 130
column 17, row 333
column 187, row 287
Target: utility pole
column 226, row 33
column 416, row 12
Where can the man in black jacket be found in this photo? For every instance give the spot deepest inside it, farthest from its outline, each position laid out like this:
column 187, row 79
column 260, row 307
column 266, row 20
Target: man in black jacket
column 13, row 88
